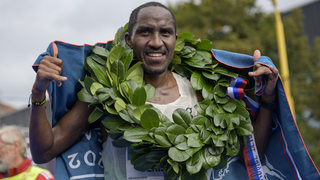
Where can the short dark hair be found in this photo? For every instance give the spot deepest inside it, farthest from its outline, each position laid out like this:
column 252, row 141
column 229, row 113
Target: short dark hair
column 135, row 12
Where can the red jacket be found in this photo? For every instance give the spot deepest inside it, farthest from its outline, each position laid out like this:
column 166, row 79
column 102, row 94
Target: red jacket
column 44, row 175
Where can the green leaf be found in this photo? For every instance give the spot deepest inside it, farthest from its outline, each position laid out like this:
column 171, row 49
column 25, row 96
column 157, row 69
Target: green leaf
column 215, row 151
column 182, row 71
column 180, row 139
column 182, row 146
column 223, row 162
column 176, row 59
column 116, row 54
column 233, row 150
column 119, row 36
column 201, row 175
column 217, row 141
column 210, row 159
column 87, row 83
column 169, row 173
column 220, row 100
column 135, row 73
column 211, row 109
column 244, row 129
column 241, row 111
column 95, row 115
column 217, row 91
column 229, row 107
column 103, row 96
column 127, row 59
column 125, row 116
column 230, row 74
column 212, row 76
column 135, row 134
column 100, row 60
column 119, row 104
column 208, row 54
column 192, row 151
column 150, row 90
column 141, row 164
column 202, row 106
column 117, row 68
column 131, row 111
column 114, row 122
column 113, row 78
column 194, row 164
column 179, row 44
column 114, row 134
column 186, row 35
column 235, row 119
column 217, row 130
column 197, row 80
column 141, row 149
column 205, row 45
column 178, row 155
column 139, row 97
column 233, row 138
column 110, row 109
column 207, row 91
column 161, row 137
column 194, row 140
column 154, row 156
column 132, row 84
column 137, row 112
column 205, row 136
column 188, row 51
column 99, row 71
column 84, row 96
column 196, row 64
column 182, row 117
column 94, row 87
column 149, row 119
column 220, row 70
column 125, row 91
column 173, row 131
column 100, row 51
column 121, row 143
column 220, row 120
column 175, row 165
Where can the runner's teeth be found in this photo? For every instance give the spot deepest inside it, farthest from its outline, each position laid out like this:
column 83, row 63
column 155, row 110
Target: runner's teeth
column 155, row 54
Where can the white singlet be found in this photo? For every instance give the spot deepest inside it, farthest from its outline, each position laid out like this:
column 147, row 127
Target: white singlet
column 115, row 160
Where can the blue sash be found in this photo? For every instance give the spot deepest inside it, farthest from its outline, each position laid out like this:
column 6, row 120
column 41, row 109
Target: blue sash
column 286, row 156
column 82, row 160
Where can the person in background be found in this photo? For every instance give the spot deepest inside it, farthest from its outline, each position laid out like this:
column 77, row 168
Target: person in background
column 14, row 164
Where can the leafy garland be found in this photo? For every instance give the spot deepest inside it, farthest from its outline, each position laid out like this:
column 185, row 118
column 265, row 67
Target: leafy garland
column 185, row 148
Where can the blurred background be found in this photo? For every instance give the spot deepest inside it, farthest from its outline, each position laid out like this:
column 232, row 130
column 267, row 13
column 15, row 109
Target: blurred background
column 27, row 28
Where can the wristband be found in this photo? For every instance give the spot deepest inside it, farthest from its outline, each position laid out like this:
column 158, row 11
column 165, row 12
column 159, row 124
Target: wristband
column 38, row 103
column 268, row 105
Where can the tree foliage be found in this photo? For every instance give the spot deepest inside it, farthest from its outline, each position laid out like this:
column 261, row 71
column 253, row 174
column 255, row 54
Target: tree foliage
column 240, row 26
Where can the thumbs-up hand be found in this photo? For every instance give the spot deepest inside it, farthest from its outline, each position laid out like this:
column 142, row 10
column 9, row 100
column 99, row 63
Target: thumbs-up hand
column 49, row 70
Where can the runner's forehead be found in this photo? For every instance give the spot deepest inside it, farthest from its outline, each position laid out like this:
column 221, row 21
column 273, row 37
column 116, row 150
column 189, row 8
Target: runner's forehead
column 155, row 16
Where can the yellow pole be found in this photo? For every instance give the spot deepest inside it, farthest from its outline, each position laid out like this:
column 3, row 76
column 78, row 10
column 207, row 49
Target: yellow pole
column 284, row 69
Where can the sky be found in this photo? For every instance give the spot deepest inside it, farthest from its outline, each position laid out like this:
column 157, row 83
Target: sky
column 27, row 28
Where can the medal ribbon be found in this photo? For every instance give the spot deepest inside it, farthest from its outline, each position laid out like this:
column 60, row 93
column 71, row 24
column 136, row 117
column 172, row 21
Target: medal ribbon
column 250, row 152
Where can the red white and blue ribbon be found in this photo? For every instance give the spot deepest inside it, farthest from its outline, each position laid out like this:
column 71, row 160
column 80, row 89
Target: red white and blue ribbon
column 251, row 156
column 252, row 160
column 236, row 90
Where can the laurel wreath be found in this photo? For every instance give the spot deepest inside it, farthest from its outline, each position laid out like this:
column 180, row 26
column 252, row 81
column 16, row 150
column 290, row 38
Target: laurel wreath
column 190, row 145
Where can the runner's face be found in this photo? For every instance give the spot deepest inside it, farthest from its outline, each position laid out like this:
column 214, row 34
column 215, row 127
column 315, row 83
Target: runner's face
column 153, row 39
